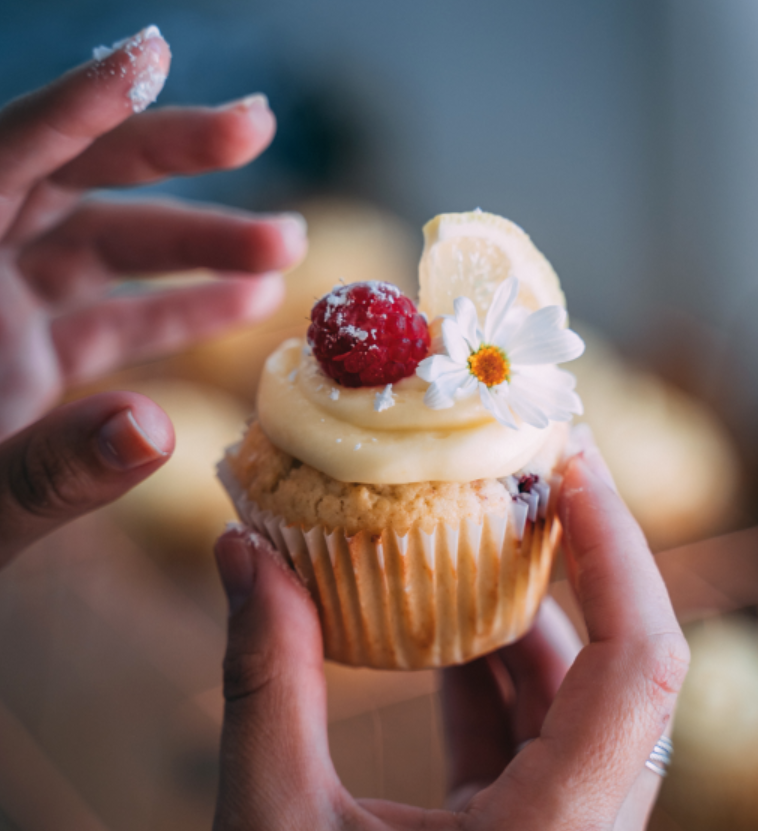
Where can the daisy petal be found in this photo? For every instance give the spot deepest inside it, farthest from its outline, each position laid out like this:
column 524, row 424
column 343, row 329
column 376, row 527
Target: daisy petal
column 465, row 318
column 441, row 394
column 455, row 344
column 522, row 404
column 502, row 335
column 436, row 400
column 551, row 392
column 541, row 340
column 497, row 405
column 431, row 368
column 574, row 404
column 502, row 300
column 468, row 387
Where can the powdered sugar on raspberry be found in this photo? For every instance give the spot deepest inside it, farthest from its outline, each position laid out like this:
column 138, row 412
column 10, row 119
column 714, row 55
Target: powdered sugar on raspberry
column 338, row 298
column 355, row 332
column 333, row 302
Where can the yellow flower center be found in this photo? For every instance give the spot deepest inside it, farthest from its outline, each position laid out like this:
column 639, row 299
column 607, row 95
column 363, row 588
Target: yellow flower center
column 490, row 366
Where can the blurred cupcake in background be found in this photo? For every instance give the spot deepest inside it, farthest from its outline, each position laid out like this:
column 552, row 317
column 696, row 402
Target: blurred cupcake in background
column 673, row 461
column 712, row 782
column 177, row 513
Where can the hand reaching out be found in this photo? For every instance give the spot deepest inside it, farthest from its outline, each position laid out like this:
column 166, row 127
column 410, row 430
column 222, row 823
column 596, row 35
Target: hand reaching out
column 590, row 719
column 60, row 250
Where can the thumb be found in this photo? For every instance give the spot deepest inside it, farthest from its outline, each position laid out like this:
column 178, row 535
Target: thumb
column 79, row 457
column 276, row 771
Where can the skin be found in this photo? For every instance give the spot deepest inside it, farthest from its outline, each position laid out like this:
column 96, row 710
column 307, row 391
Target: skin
column 60, row 252
column 593, row 714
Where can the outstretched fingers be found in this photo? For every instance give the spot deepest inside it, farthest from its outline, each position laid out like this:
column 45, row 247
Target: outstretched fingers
column 173, row 141
column 102, row 240
column 45, row 129
column 116, row 332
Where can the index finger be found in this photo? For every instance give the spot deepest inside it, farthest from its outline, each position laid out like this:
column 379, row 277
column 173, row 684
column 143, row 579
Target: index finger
column 47, row 128
column 620, row 693
column 616, row 580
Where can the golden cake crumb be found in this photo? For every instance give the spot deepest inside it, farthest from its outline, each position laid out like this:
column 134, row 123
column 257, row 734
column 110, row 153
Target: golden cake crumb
column 303, row 496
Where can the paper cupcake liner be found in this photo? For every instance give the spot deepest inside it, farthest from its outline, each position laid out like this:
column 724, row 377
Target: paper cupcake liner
column 420, row 599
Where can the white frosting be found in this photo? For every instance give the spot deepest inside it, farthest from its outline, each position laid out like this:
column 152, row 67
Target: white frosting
column 349, row 440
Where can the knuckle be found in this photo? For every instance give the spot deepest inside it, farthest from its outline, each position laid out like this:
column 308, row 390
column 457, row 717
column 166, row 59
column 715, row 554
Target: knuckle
column 230, row 143
column 247, row 674
column 157, row 160
column 665, row 660
column 259, row 247
column 45, row 479
column 57, row 269
column 78, row 224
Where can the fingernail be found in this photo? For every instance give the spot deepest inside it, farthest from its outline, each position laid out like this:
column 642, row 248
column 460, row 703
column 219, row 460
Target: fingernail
column 255, row 107
column 581, row 438
column 582, row 443
column 294, row 231
column 235, row 566
column 596, row 463
column 298, row 220
column 125, row 445
column 151, row 31
column 258, row 101
column 128, row 44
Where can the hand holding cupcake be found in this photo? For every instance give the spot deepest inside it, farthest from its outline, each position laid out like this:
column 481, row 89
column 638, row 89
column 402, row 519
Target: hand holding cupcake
column 538, row 736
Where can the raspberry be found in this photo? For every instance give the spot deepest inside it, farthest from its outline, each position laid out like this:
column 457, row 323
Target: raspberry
column 367, row 335
column 527, row 482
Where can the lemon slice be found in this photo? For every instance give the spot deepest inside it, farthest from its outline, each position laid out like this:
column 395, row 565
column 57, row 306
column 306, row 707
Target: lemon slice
column 470, row 254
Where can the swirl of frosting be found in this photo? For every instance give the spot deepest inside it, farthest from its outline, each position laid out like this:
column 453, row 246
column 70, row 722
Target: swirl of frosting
column 340, row 432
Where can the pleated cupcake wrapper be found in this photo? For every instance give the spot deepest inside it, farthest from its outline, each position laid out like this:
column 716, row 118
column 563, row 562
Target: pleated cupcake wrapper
column 419, row 599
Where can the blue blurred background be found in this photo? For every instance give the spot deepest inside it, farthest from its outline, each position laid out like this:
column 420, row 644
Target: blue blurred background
column 554, row 114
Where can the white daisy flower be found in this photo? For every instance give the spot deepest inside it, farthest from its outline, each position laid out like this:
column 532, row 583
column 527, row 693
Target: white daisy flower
column 512, row 363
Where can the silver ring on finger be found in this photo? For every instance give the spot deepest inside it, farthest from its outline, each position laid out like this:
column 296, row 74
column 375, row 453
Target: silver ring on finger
column 660, row 758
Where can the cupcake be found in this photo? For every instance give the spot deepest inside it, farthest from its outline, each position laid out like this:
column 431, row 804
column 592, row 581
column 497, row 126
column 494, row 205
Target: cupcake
column 405, row 461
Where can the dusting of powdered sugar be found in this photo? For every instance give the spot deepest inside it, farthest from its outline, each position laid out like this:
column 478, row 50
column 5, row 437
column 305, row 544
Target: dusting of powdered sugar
column 334, row 301
column 355, row 332
column 149, row 79
column 100, row 53
column 384, row 400
column 340, row 296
